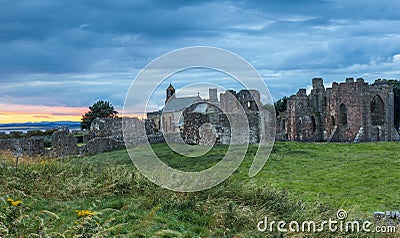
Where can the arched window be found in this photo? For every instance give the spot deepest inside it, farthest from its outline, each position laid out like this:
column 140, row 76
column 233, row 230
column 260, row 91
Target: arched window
column 342, row 115
column 377, row 111
column 333, row 121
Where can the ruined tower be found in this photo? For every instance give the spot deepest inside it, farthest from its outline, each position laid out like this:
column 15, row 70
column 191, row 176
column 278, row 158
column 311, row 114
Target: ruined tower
column 213, row 95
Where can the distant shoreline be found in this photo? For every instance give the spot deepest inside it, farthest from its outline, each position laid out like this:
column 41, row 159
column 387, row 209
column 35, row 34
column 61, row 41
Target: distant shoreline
column 34, row 126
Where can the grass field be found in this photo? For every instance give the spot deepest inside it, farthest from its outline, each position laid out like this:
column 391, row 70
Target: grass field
column 301, row 181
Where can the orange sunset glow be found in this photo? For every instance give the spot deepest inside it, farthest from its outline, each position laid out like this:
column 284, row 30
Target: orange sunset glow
column 28, row 113
column 10, row 113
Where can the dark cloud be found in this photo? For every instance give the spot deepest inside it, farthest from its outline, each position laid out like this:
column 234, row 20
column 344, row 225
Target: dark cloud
column 72, row 52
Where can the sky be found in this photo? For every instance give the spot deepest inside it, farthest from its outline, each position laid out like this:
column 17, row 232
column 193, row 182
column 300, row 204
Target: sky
column 59, row 57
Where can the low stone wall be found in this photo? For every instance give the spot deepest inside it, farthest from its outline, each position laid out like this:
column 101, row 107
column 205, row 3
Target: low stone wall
column 109, row 135
column 33, row 146
column 113, row 127
column 100, row 145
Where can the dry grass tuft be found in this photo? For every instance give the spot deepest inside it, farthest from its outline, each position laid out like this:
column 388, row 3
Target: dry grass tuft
column 25, row 159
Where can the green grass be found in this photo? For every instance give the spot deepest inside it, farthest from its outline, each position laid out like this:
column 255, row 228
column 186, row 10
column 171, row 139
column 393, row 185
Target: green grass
column 300, row 181
column 360, row 177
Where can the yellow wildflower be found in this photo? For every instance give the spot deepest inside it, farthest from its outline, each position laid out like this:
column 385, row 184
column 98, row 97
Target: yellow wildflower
column 14, row 203
column 84, row 213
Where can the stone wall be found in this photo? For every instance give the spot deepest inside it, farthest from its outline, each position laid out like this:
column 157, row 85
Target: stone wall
column 249, row 100
column 107, row 127
column 109, row 134
column 106, row 134
column 63, row 144
column 193, row 121
column 33, row 146
column 211, row 125
column 353, row 111
column 102, row 144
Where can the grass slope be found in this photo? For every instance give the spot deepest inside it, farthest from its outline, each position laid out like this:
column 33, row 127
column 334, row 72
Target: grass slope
column 360, row 177
column 300, row 181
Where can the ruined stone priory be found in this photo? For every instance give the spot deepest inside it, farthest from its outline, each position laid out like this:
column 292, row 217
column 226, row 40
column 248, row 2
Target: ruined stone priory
column 184, row 117
column 351, row 111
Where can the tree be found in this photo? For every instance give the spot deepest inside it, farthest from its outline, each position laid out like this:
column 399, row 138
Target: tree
column 99, row 109
column 280, row 105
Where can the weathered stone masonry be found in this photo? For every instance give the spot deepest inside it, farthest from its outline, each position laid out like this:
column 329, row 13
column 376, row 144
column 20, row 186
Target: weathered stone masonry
column 201, row 117
column 105, row 135
column 353, row 111
column 33, row 146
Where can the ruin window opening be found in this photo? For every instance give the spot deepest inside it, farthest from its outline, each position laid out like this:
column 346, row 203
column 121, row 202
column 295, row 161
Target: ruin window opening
column 313, row 125
column 332, row 121
column 316, row 102
column 248, row 104
column 343, row 115
column 377, row 111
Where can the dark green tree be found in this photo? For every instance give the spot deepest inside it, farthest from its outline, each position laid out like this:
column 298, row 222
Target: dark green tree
column 280, row 105
column 396, row 92
column 99, row 109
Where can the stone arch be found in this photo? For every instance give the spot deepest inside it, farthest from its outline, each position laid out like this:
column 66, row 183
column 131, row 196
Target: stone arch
column 342, row 115
column 377, row 111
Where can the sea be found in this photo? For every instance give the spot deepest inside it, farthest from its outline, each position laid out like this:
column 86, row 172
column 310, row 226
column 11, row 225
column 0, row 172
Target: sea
column 34, row 126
